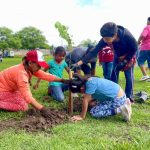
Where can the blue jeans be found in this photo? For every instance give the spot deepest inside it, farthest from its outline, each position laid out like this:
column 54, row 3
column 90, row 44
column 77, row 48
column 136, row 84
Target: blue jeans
column 107, row 108
column 57, row 92
column 129, row 80
column 107, row 69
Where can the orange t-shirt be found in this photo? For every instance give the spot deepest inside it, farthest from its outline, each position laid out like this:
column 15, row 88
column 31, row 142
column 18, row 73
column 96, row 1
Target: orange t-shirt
column 17, row 79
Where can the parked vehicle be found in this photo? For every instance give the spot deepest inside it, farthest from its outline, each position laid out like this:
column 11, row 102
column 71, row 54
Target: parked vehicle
column 11, row 54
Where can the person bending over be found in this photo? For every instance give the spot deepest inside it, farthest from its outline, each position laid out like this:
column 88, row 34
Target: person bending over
column 15, row 93
column 109, row 95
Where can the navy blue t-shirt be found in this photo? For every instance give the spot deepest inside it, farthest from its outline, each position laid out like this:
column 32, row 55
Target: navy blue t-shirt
column 75, row 55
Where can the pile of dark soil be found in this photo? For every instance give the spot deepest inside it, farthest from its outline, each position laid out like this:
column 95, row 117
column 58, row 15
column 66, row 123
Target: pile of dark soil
column 35, row 121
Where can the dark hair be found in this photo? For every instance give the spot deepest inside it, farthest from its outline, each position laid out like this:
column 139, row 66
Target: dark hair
column 25, row 61
column 90, row 47
column 148, row 19
column 109, row 29
column 59, row 50
column 77, row 82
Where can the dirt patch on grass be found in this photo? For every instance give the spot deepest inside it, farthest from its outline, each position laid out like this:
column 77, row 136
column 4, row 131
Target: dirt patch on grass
column 35, row 121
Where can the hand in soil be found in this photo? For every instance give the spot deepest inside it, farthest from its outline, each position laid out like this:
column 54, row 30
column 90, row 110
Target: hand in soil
column 47, row 113
column 76, row 118
column 44, row 111
column 32, row 112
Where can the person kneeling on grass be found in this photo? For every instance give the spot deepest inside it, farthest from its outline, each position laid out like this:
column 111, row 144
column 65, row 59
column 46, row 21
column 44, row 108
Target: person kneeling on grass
column 56, row 67
column 112, row 99
column 15, row 94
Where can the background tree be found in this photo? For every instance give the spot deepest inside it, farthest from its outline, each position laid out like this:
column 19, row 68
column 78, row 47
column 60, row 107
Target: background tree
column 86, row 42
column 16, row 42
column 32, row 38
column 63, row 33
column 6, row 38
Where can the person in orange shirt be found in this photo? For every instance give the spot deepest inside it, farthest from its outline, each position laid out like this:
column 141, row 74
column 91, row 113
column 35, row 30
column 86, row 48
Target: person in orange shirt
column 15, row 93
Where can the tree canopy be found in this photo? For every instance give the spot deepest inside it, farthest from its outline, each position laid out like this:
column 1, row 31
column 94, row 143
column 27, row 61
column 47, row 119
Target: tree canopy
column 27, row 38
column 6, row 38
column 32, row 38
column 87, row 42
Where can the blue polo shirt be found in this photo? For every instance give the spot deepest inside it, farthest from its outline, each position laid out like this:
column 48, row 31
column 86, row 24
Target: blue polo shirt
column 101, row 89
column 127, row 45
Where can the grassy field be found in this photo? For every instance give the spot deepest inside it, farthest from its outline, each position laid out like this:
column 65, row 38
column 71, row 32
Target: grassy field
column 91, row 134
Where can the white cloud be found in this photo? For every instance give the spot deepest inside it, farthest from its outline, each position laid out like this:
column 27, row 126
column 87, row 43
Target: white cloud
column 83, row 22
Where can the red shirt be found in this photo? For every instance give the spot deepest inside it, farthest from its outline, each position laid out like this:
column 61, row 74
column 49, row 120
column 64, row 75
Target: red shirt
column 106, row 55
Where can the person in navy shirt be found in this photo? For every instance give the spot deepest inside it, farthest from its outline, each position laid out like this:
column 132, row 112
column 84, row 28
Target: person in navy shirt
column 125, row 47
column 77, row 54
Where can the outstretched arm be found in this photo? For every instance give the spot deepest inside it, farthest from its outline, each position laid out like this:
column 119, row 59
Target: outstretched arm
column 67, row 69
column 38, row 81
column 37, row 105
column 49, row 77
column 92, row 54
column 86, row 100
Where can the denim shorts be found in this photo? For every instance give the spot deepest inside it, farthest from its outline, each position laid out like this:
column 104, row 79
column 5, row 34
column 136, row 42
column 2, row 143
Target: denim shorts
column 144, row 55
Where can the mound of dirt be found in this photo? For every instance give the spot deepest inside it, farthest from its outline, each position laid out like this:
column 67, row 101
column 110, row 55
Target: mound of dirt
column 34, row 121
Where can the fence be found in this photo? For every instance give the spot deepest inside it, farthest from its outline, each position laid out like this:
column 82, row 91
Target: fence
column 23, row 52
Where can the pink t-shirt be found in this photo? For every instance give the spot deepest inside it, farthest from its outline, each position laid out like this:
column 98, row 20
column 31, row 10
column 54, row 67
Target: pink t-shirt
column 16, row 78
column 145, row 45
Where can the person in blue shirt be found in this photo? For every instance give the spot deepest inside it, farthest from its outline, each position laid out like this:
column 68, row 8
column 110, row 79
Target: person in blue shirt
column 110, row 97
column 77, row 54
column 56, row 67
column 124, row 46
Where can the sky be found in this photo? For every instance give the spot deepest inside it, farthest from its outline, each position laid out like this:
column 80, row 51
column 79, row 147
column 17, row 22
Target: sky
column 84, row 18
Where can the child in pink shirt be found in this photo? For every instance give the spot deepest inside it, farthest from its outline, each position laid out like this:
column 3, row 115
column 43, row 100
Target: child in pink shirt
column 15, row 94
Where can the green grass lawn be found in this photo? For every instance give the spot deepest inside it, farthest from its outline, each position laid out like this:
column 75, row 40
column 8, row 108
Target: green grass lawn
column 90, row 134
